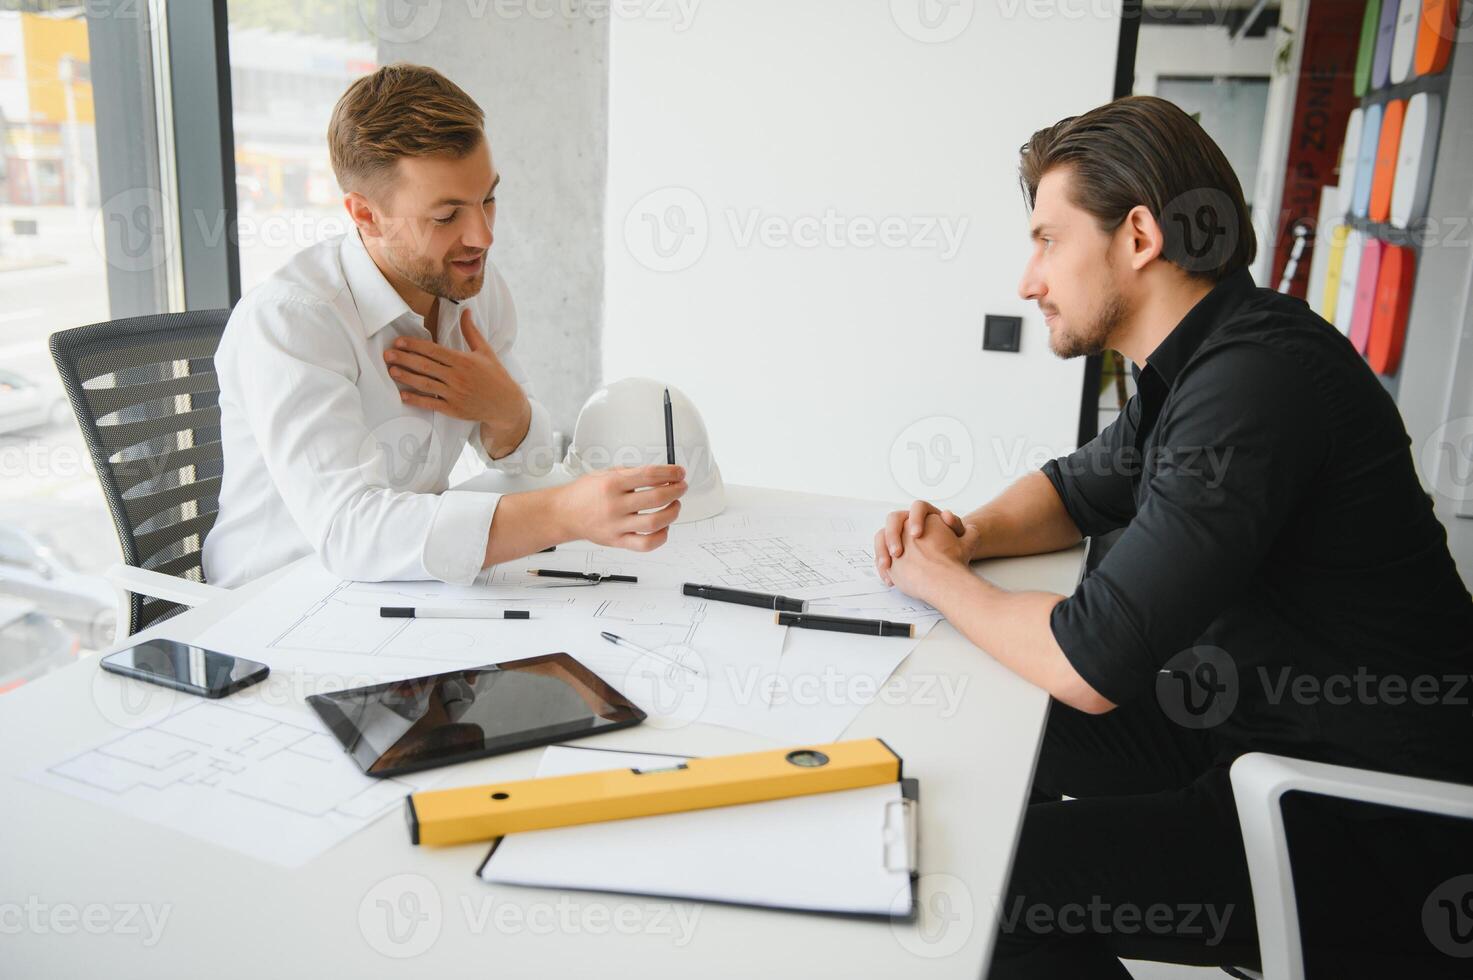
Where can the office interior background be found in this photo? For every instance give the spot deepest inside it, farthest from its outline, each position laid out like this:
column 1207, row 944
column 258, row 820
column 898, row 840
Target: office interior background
column 802, row 213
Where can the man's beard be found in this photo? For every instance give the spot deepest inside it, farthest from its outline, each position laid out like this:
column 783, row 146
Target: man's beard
column 438, row 280
column 1094, row 338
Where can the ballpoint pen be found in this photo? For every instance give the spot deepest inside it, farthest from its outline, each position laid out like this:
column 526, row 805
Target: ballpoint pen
column 617, row 640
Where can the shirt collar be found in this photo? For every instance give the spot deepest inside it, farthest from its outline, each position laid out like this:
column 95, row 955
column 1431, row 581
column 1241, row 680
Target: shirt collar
column 379, row 303
column 1173, row 353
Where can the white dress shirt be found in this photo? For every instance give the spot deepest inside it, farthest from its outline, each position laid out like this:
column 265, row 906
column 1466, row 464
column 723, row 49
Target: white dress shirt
column 321, row 454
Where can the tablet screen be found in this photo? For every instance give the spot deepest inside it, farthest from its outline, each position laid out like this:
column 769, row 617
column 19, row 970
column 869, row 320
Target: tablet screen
column 431, row 721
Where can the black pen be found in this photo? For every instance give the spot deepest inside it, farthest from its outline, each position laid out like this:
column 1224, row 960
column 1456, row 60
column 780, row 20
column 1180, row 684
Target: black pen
column 669, row 431
column 843, row 624
column 761, row 600
column 594, row 577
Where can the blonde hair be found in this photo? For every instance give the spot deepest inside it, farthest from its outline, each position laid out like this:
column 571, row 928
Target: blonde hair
column 399, row 111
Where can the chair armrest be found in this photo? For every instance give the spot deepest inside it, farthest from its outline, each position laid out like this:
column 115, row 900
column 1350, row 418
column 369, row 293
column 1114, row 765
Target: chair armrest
column 155, row 585
column 1259, row 784
column 159, row 586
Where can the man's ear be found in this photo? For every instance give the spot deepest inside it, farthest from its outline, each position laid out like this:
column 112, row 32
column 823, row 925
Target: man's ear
column 363, row 213
column 1143, row 237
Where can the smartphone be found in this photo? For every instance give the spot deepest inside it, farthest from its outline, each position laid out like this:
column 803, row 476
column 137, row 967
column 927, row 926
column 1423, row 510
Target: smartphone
column 186, row 668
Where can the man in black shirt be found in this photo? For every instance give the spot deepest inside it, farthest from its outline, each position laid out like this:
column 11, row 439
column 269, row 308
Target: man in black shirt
column 1281, row 585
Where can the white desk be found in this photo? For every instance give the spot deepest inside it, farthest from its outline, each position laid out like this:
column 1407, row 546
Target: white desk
column 71, row 871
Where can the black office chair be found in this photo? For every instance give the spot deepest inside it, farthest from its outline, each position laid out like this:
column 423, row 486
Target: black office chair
column 147, row 400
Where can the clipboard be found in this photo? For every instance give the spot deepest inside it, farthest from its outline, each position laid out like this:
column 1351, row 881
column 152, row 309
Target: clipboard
column 852, row 853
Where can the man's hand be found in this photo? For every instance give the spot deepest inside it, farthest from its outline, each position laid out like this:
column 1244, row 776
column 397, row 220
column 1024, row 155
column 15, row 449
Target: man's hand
column 471, row 384
column 903, row 525
column 932, row 561
column 604, row 507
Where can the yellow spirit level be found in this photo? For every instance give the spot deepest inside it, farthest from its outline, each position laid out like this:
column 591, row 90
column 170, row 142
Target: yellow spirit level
column 475, row 813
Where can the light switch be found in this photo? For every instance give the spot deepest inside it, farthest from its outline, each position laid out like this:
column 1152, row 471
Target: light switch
column 1002, row 333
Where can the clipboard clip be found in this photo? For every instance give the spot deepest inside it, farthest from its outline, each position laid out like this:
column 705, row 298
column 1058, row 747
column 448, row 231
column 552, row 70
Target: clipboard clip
column 899, row 836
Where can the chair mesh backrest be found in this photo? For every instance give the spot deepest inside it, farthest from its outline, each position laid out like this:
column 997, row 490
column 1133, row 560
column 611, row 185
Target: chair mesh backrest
column 146, row 398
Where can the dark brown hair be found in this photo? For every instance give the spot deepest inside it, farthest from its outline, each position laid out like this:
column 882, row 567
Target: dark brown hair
column 1142, row 150
column 399, row 111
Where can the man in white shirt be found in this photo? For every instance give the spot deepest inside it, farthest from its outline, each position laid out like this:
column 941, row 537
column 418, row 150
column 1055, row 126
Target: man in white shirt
column 351, row 380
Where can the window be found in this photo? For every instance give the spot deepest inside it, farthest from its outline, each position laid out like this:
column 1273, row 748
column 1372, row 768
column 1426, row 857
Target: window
column 288, row 65
column 53, row 275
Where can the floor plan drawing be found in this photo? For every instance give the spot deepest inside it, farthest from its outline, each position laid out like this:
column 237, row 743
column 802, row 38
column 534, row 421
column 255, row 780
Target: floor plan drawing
column 266, row 781
column 769, row 565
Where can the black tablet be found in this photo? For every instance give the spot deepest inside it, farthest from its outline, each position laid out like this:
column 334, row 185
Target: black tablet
column 404, row 726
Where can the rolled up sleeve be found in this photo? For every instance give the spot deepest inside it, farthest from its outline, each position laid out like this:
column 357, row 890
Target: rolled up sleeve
column 455, row 545
column 1095, row 481
column 1240, row 442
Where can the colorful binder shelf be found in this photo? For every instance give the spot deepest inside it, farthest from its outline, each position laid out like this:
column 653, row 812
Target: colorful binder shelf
column 1386, row 166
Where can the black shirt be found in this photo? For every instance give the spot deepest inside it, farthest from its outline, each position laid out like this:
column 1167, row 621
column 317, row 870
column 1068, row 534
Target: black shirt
column 1282, row 580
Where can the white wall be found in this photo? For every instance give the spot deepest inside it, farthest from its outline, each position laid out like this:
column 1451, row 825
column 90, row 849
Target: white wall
column 541, row 75
column 811, row 363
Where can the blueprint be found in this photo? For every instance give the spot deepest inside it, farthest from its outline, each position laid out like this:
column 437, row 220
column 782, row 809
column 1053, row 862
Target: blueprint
column 803, row 554
column 335, row 625
column 257, row 772
column 796, row 565
column 265, row 780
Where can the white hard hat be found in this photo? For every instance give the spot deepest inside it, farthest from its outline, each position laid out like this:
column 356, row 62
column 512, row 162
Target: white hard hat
column 623, row 424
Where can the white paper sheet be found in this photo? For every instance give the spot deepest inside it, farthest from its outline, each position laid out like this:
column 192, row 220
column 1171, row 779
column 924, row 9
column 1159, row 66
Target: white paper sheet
column 827, row 852
column 789, row 685
column 250, row 772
